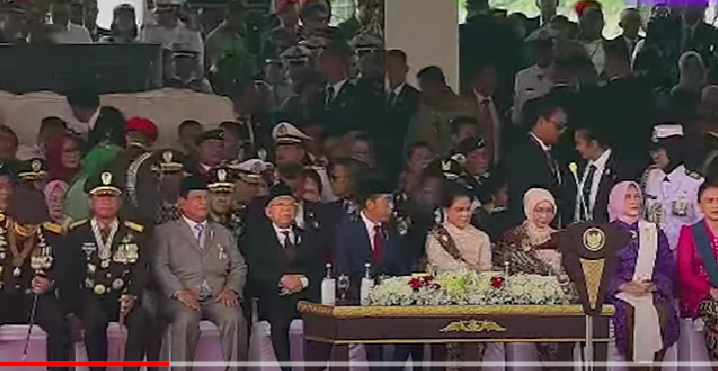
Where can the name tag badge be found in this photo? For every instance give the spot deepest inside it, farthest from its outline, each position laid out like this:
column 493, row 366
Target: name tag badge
column 222, row 253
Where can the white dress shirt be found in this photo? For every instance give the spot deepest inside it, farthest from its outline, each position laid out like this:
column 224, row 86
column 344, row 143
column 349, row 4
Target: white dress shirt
column 337, row 87
column 494, row 114
column 545, row 147
column 282, row 234
column 193, row 227
column 369, row 225
column 600, row 164
column 596, row 53
column 394, row 93
column 72, row 34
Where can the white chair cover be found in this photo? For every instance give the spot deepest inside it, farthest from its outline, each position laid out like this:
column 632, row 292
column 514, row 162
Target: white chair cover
column 12, row 344
column 691, row 346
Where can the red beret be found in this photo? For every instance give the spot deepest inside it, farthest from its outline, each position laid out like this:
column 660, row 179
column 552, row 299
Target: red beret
column 581, row 6
column 143, row 125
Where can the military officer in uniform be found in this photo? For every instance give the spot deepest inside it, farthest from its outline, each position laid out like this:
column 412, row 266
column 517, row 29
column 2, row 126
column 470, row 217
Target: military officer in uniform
column 171, row 170
column 670, row 189
column 105, row 271
column 221, row 188
column 32, row 173
column 249, row 182
column 475, row 159
column 28, row 271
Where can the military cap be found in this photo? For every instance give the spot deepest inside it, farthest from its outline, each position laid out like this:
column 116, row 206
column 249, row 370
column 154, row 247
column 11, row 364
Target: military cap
column 667, row 130
column 286, row 133
column 251, row 170
column 216, row 134
column 449, row 168
column 469, row 145
column 296, row 53
column 170, row 160
column 366, row 41
column 314, row 43
column 220, row 179
column 32, row 169
column 103, row 184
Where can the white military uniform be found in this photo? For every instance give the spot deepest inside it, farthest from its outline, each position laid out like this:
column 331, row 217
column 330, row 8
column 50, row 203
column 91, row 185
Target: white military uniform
column 672, row 200
column 286, row 133
column 177, row 38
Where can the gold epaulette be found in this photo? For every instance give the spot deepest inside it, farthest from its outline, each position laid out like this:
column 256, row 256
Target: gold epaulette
column 2, row 217
column 134, row 226
column 52, row 227
column 78, row 223
column 693, row 174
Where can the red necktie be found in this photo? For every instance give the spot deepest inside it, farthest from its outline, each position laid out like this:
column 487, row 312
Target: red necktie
column 378, row 243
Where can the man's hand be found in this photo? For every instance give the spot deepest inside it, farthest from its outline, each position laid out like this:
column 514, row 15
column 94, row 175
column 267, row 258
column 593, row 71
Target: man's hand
column 292, row 282
column 228, row 298
column 127, row 302
column 188, row 298
column 714, row 293
column 41, row 285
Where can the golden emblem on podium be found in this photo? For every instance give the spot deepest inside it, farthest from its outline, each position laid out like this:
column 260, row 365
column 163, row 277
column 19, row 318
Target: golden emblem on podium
column 100, row 289
column 594, row 239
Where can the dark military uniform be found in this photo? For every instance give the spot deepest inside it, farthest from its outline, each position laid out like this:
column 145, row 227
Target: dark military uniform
column 171, row 167
column 101, row 266
column 221, row 184
column 19, row 264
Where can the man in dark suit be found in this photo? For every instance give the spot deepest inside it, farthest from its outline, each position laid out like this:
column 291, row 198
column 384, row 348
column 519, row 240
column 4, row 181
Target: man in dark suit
column 532, row 162
column 695, row 34
column 601, row 168
column 340, row 106
column 402, row 101
column 284, row 268
column 629, row 99
column 630, row 24
column 367, row 238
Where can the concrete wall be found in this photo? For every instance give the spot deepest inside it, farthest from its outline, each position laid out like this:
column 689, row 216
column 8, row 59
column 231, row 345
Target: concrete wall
column 428, row 32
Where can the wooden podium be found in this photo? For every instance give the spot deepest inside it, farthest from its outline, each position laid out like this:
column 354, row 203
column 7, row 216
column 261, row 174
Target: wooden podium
column 327, row 327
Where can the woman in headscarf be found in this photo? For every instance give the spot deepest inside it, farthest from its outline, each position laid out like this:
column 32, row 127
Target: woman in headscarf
column 527, row 250
column 698, row 274
column 642, row 284
column 455, row 244
column 62, row 153
column 521, row 246
column 105, row 141
column 692, row 71
column 54, row 195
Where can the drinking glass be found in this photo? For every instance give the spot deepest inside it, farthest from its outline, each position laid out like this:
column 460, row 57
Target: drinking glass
column 343, row 286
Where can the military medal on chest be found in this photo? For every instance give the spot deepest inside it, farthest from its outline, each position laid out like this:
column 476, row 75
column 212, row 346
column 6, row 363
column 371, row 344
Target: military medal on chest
column 680, row 205
column 104, row 246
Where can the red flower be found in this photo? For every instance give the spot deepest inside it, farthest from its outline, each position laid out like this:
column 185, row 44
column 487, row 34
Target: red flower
column 415, row 283
column 497, row 282
column 435, row 286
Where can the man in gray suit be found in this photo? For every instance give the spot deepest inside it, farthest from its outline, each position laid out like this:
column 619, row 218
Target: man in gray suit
column 201, row 271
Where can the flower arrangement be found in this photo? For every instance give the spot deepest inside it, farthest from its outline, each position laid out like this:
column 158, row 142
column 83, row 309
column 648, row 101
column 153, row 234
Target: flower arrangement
column 470, row 288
